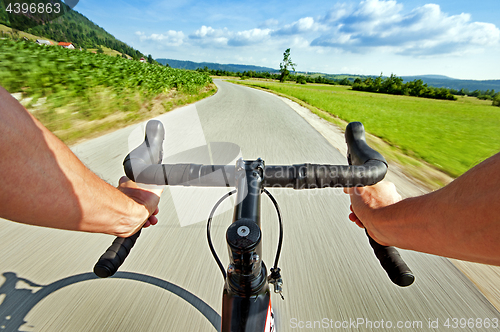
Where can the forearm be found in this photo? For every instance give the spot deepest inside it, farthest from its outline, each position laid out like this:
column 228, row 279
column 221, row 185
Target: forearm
column 461, row 220
column 63, row 193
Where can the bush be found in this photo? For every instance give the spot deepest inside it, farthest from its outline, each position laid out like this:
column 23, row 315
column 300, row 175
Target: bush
column 301, row 79
column 496, row 100
column 394, row 85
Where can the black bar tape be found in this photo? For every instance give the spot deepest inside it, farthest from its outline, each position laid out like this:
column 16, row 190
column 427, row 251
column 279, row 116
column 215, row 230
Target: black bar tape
column 188, row 175
column 393, row 264
column 114, row 257
column 310, row 176
column 360, row 153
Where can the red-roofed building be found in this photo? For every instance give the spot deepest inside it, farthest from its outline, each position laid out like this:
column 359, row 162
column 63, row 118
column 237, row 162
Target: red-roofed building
column 66, row 45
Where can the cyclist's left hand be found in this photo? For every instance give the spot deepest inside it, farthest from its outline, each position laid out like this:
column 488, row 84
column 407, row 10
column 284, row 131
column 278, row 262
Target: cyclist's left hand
column 149, row 198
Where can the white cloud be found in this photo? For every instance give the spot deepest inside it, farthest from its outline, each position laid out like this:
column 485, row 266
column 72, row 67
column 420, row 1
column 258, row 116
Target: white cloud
column 425, row 30
column 303, row 25
column 384, row 26
column 210, row 36
column 169, row 38
column 299, row 42
column 376, row 10
column 249, row 37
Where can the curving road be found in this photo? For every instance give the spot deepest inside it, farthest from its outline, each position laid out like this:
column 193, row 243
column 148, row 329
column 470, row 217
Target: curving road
column 170, row 282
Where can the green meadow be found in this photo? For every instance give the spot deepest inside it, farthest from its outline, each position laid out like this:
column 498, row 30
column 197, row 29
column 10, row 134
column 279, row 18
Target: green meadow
column 453, row 136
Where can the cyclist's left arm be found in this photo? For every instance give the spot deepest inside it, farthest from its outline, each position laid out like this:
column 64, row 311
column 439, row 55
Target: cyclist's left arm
column 45, row 184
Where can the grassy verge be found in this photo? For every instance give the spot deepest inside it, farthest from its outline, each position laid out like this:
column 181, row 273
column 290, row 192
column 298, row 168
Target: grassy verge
column 102, row 110
column 452, row 136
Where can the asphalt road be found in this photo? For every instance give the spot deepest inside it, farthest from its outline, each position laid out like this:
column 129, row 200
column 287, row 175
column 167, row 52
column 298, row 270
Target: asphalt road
column 170, row 282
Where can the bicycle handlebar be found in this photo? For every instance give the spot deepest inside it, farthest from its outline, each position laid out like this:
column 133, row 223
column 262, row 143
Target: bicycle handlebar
column 367, row 167
column 301, row 176
column 359, row 152
column 149, row 152
column 115, row 255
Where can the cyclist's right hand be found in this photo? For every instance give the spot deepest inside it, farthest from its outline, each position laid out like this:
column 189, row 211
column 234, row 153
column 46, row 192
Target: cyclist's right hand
column 366, row 204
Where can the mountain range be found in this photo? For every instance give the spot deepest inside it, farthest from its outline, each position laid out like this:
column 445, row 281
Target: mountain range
column 456, row 84
column 181, row 64
column 432, row 80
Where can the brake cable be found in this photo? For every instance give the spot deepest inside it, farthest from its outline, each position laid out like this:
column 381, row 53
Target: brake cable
column 275, row 276
column 212, row 249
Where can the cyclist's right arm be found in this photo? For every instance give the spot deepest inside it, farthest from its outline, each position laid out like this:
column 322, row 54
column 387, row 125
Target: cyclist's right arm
column 461, row 220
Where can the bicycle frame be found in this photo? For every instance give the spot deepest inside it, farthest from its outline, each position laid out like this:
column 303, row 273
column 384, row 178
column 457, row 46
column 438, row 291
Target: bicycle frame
column 246, row 301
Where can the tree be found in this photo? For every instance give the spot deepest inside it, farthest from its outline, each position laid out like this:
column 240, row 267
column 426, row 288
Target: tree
column 287, row 62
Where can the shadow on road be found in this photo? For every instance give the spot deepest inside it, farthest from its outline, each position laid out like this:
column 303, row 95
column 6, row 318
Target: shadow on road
column 18, row 296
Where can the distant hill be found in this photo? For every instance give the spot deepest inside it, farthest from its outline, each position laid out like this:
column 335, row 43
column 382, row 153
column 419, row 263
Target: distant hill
column 456, row 84
column 437, row 77
column 75, row 28
column 215, row 66
column 437, row 81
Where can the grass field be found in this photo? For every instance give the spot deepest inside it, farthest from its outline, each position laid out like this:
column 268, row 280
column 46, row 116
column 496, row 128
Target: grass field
column 108, row 51
column 6, row 32
column 451, row 135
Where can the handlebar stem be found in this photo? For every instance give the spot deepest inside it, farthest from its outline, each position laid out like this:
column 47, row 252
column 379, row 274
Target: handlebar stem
column 246, row 273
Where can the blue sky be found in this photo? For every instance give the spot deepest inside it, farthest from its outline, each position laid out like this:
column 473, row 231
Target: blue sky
column 457, row 38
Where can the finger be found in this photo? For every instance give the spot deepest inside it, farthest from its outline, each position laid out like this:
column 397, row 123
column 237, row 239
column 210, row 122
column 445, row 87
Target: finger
column 353, row 217
column 348, row 191
column 123, row 179
column 153, row 220
column 360, row 225
column 150, row 222
column 156, row 211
